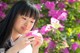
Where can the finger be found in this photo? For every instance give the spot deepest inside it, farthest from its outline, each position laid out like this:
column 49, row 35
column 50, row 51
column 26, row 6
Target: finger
column 28, row 37
column 31, row 39
column 40, row 40
column 29, row 43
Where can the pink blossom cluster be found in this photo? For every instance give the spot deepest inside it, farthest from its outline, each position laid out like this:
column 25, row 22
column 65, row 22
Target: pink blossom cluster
column 3, row 6
column 33, row 33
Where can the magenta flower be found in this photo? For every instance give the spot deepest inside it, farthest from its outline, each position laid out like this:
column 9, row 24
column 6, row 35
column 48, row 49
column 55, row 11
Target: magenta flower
column 46, row 50
column 79, row 35
column 41, row 15
column 53, row 20
column 65, row 50
column 75, row 46
column 47, row 39
column 51, row 45
column 50, row 5
column 55, row 13
column 38, row 6
column 52, row 13
column 61, row 28
column 43, row 1
column 42, row 30
column 63, row 16
column 79, row 46
column 33, row 33
column 45, row 29
column 78, row 21
column 55, row 23
column 61, row 5
column 2, row 14
column 72, row 1
column 3, row 6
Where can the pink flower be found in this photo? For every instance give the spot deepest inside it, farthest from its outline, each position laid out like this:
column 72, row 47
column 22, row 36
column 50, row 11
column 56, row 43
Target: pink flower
column 55, row 13
column 2, row 14
column 75, row 46
column 47, row 39
column 43, row 1
column 53, row 20
column 61, row 5
column 55, row 23
column 66, row 50
column 63, row 16
column 38, row 6
column 78, row 21
column 72, row 1
column 45, row 29
column 52, row 13
column 41, row 15
column 50, row 5
column 33, row 33
column 42, row 30
column 46, row 50
column 61, row 28
column 3, row 6
column 51, row 45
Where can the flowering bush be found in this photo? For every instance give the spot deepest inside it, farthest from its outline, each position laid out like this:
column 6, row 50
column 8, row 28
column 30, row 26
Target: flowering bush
column 3, row 7
column 59, row 24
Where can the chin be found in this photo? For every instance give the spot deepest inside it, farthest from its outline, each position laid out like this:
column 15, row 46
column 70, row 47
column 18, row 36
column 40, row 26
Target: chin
column 23, row 32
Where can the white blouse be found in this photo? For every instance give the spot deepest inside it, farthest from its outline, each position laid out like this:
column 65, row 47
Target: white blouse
column 27, row 49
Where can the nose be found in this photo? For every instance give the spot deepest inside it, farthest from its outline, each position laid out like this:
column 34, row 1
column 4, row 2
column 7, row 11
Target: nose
column 26, row 23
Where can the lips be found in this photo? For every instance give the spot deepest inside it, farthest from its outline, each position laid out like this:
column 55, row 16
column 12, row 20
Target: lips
column 24, row 28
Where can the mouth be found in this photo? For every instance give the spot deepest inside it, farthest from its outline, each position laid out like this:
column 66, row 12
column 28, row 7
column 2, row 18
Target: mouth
column 23, row 28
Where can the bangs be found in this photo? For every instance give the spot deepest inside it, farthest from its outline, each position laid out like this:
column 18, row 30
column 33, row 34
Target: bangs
column 29, row 10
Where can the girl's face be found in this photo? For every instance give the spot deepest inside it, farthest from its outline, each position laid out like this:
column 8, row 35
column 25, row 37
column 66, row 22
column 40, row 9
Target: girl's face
column 23, row 24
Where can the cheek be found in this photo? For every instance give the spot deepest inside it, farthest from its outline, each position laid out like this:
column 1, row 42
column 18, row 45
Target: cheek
column 18, row 24
column 30, row 26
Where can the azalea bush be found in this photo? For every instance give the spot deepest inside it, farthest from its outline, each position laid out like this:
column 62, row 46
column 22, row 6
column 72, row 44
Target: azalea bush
column 59, row 25
column 3, row 7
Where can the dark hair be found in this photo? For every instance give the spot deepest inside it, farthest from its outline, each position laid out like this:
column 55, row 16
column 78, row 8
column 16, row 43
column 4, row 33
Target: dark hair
column 22, row 8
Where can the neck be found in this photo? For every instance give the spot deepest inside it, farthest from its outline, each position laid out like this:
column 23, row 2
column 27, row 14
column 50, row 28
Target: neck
column 14, row 35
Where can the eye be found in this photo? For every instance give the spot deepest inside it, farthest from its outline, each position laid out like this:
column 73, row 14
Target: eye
column 24, row 18
column 32, row 22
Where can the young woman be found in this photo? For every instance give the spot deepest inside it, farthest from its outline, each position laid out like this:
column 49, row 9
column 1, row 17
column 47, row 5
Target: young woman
column 19, row 21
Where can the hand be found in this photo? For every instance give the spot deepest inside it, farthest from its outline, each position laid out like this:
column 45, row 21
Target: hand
column 22, row 42
column 37, row 42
